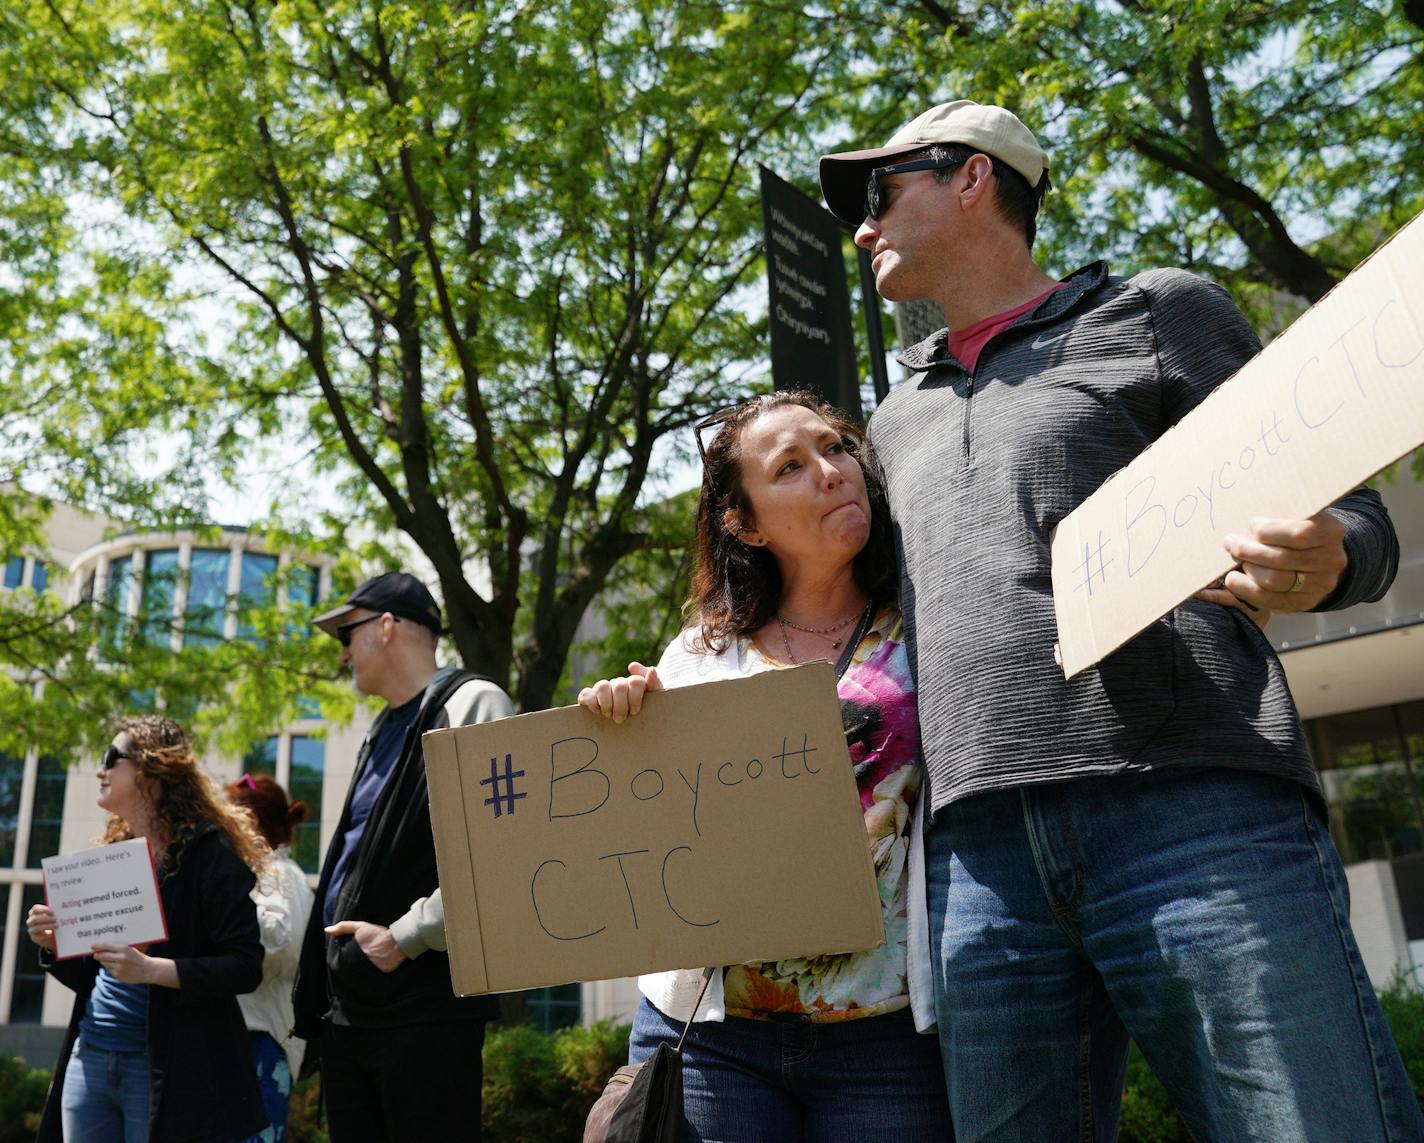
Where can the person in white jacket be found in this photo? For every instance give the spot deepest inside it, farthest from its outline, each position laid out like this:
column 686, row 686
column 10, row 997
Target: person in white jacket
column 795, row 563
column 284, row 902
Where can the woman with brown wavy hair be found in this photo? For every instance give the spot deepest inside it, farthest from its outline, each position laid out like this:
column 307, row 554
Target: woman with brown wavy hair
column 156, row 1047
column 796, row 563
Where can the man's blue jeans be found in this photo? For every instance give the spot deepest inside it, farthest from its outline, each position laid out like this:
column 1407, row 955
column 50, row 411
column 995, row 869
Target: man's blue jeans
column 105, row 1096
column 1201, row 912
column 749, row 1081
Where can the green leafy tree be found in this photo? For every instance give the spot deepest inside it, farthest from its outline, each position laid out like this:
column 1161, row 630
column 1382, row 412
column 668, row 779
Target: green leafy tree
column 481, row 260
column 1267, row 145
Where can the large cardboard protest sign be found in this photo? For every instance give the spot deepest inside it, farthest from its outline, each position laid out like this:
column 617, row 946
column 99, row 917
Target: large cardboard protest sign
column 1336, row 398
column 720, row 825
column 105, row 895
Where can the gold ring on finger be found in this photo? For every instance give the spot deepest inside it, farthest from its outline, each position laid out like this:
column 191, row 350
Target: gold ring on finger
column 1299, row 584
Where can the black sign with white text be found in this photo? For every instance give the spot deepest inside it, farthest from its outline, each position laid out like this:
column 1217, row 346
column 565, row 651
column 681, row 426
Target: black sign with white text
column 812, row 345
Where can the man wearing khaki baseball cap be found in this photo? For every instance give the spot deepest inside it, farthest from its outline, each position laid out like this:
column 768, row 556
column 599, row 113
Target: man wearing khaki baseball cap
column 1139, row 852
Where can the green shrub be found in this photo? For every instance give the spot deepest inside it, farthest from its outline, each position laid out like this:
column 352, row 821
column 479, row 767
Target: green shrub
column 304, row 1123
column 22, row 1099
column 1147, row 1113
column 538, row 1087
column 1403, row 1004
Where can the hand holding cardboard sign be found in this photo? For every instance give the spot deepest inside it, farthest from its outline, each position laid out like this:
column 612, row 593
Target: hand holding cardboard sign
column 1287, row 565
column 621, row 698
column 40, row 924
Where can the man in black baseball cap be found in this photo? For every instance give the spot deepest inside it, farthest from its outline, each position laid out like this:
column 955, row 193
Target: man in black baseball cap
column 399, row 593
column 399, row 1052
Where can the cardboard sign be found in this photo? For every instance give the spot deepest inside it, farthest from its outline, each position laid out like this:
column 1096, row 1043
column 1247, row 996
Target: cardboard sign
column 1336, row 398
column 718, row 826
column 108, row 895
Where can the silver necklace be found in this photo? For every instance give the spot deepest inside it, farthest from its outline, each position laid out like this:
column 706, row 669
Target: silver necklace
column 786, row 636
column 821, row 631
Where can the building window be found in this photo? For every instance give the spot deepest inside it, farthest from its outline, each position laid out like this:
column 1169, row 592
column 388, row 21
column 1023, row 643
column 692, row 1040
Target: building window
column 1371, row 766
column 304, row 783
column 302, row 584
column 554, row 1008
column 39, row 576
column 12, row 775
column 255, row 587
column 48, row 815
column 116, row 599
column 27, row 994
column 261, row 758
column 206, row 612
column 160, row 585
column 14, row 571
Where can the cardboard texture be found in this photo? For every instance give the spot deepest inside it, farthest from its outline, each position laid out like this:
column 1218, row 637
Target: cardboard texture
column 718, row 826
column 1324, row 407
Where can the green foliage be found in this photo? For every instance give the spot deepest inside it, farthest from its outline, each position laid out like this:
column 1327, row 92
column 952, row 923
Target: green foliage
column 538, row 1087
column 1403, row 1004
column 1147, row 1113
column 75, row 667
column 1267, row 145
column 305, row 1123
column 22, row 1097
column 476, row 261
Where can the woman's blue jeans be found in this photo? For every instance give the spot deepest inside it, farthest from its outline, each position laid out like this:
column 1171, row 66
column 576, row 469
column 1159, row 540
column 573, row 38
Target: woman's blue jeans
column 105, row 1096
column 749, row 1081
column 1203, row 913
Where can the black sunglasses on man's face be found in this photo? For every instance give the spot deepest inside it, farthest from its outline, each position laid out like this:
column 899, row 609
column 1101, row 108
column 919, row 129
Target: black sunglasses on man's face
column 343, row 633
column 877, row 198
column 111, row 758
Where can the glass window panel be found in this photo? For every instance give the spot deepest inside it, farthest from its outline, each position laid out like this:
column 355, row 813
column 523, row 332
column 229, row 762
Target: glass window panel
column 255, row 586
column 1376, row 811
column 117, row 599
column 27, row 996
column 14, row 571
column 261, row 758
column 304, row 784
column 12, row 774
column 39, row 576
column 302, row 584
column 207, row 596
column 160, row 584
column 48, row 813
column 554, row 1008
column 1411, row 721
column 1363, row 737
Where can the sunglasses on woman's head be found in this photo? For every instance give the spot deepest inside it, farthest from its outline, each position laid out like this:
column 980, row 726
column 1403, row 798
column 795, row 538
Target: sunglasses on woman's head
column 715, row 421
column 111, row 758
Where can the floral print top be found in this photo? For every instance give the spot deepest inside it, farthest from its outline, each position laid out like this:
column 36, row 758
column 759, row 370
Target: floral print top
column 883, row 733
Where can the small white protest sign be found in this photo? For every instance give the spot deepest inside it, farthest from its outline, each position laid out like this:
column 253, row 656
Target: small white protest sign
column 108, row 894
column 1336, row 398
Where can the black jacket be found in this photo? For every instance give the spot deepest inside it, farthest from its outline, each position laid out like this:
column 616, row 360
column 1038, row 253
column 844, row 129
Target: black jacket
column 393, row 866
column 204, row 1079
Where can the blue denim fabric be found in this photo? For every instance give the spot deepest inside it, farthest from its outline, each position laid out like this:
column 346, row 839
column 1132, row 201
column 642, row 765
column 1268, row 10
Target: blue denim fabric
column 274, row 1080
column 105, row 1097
column 748, row 1081
column 1202, row 912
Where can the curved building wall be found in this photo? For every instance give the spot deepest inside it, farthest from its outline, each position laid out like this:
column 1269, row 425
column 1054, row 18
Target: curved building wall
column 48, row 807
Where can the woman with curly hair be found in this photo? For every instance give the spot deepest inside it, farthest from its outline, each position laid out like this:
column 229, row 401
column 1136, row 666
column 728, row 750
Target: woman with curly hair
column 156, row 1048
